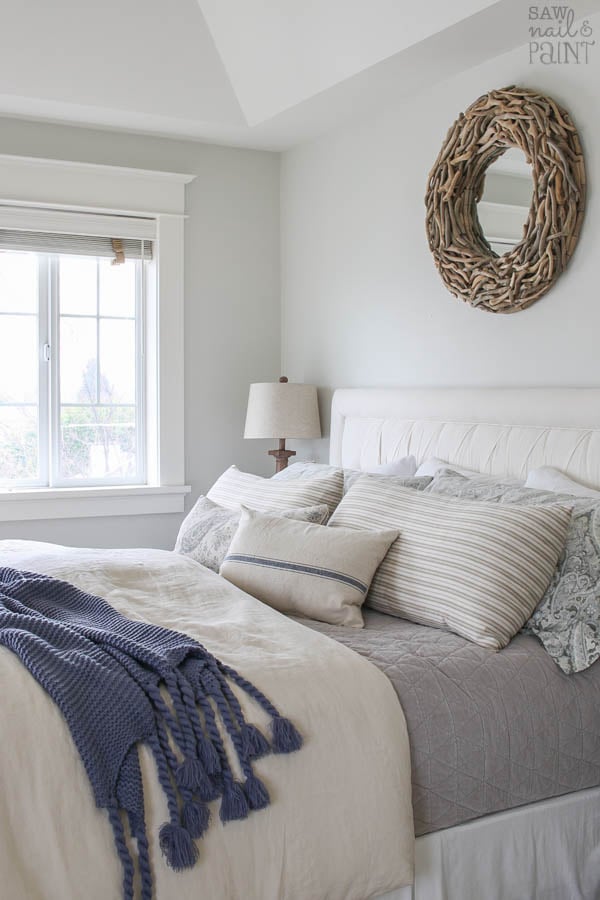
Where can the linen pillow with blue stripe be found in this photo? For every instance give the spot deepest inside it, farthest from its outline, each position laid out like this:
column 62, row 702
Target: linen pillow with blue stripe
column 303, row 569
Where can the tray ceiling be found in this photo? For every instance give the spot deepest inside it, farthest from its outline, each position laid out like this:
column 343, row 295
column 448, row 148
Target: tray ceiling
column 244, row 72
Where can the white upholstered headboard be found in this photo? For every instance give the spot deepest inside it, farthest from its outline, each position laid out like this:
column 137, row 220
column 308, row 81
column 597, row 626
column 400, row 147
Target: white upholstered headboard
column 499, row 431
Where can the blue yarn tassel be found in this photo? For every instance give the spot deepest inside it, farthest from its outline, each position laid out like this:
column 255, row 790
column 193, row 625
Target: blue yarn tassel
column 210, row 788
column 195, row 818
column 190, row 774
column 217, row 783
column 208, row 756
column 256, row 793
column 233, row 803
column 177, row 846
column 286, row 738
column 254, row 743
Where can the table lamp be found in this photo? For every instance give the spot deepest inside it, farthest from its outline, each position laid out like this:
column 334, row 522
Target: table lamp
column 282, row 410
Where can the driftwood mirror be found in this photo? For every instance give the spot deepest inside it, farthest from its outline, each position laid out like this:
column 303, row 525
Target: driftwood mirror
column 472, row 264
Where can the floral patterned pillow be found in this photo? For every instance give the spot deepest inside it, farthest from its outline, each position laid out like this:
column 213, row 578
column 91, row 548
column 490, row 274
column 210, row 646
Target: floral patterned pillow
column 567, row 619
column 208, row 529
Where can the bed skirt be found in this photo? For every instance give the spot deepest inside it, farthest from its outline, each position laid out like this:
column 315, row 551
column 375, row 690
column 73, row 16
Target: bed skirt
column 543, row 851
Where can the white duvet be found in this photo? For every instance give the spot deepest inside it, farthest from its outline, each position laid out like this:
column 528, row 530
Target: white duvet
column 339, row 826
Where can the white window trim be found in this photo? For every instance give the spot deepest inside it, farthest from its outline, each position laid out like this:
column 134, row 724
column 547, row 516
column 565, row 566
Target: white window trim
column 157, row 199
column 24, row 504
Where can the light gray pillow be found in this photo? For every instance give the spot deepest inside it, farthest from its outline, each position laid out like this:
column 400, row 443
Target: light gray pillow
column 567, row 619
column 305, row 570
column 310, row 470
column 351, row 476
column 208, row 529
column 471, row 487
column 433, row 465
column 304, row 469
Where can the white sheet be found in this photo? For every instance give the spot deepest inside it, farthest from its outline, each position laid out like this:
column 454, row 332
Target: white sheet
column 340, row 823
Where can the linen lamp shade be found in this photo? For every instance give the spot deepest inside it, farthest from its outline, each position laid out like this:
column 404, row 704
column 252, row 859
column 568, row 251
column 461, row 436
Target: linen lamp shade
column 282, row 410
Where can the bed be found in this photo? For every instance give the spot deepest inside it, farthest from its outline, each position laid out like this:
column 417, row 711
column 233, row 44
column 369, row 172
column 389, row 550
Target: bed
column 489, row 823
column 506, row 821
column 340, row 819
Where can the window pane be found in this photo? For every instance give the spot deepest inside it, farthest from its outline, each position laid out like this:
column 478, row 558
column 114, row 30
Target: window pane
column 77, row 276
column 78, row 360
column 117, row 361
column 19, row 358
column 117, row 288
column 98, row 442
column 18, row 443
column 18, row 282
column 19, row 368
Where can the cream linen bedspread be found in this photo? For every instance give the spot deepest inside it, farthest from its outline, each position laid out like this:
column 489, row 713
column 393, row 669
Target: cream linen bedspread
column 339, row 826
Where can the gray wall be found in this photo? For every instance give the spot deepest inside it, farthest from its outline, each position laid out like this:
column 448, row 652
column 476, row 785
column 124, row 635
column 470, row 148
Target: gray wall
column 232, row 310
column 363, row 304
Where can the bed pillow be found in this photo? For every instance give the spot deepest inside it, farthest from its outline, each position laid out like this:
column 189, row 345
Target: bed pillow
column 473, row 568
column 303, row 569
column 235, row 489
column 452, row 483
column 402, row 469
column 418, row 484
column 207, row 530
column 567, row 620
column 305, row 469
column 433, row 465
column 548, row 479
column 406, row 466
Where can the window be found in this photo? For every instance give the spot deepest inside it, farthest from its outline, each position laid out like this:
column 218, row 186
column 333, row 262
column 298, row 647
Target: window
column 111, row 455
column 72, row 349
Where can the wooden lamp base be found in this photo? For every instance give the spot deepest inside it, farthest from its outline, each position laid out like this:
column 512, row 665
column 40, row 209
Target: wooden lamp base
column 281, row 456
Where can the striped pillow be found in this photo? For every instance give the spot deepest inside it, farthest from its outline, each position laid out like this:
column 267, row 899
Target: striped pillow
column 235, row 489
column 478, row 569
column 303, row 569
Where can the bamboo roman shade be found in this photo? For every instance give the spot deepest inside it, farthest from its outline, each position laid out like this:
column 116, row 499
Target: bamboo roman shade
column 80, row 244
column 82, row 233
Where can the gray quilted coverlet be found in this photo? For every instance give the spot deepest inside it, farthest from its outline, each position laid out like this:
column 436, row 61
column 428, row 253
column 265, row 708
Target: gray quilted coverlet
column 488, row 731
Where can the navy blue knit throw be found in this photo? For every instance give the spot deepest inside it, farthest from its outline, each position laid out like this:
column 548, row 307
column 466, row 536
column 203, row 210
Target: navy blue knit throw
column 121, row 683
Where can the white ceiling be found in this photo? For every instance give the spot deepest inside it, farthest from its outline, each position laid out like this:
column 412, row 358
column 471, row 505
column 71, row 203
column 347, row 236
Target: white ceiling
column 140, row 64
column 280, row 54
column 256, row 73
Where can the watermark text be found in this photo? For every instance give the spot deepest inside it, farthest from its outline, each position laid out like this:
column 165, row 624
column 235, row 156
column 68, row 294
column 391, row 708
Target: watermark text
column 555, row 38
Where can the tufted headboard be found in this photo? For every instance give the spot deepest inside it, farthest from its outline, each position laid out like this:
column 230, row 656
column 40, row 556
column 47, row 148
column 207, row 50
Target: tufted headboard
column 499, row 431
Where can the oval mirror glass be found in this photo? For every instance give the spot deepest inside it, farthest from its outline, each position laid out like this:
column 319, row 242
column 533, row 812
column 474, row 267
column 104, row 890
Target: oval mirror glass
column 506, row 199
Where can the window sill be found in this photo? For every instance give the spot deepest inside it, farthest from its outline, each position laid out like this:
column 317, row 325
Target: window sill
column 23, row 504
